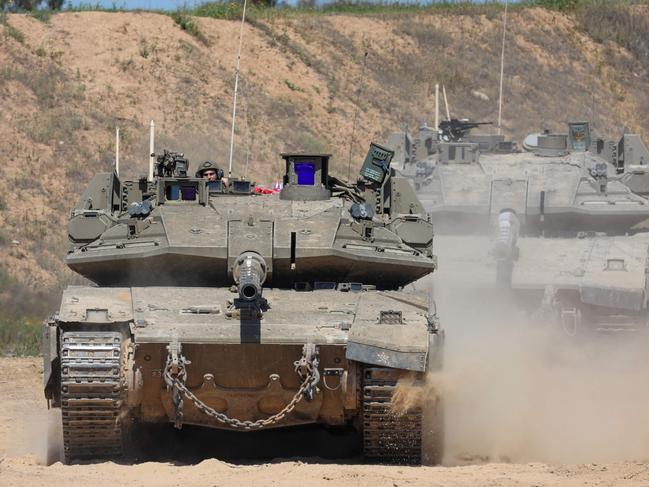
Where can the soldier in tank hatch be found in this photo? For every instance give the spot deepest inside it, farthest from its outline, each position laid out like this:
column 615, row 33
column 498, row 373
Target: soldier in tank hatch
column 211, row 172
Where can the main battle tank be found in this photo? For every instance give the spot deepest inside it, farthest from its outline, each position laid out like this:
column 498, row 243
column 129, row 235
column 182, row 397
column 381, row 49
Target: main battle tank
column 548, row 223
column 222, row 308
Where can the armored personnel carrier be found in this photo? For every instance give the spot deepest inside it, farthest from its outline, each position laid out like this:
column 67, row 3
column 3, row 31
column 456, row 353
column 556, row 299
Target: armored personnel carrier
column 568, row 198
column 222, row 308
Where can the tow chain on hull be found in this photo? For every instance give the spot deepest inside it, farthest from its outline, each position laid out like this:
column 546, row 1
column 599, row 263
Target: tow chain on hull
column 92, row 395
column 175, row 375
column 388, row 436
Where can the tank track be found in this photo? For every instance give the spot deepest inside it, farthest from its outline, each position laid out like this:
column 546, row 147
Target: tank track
column 388, row 437
column 92, row 395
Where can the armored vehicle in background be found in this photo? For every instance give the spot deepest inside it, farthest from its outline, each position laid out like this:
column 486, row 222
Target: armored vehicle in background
column 548, row 223
column 222, row 308
column 416, row 156
column 560, row 185
column 588, row 283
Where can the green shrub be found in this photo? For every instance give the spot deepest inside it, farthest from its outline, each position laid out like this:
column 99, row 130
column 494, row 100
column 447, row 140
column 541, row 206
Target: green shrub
column 188, row 23
column 292, row 86
column 558, row 4
column 144, row 48
column 219, row 10
column 43, row 15
column 20, row 336
column 11, row 31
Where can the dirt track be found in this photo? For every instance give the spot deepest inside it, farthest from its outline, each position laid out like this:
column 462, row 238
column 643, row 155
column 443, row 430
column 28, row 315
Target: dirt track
column 24, row 422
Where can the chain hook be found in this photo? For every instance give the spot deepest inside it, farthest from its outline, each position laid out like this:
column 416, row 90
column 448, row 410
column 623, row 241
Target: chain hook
column 175, row 375
column 307, row 370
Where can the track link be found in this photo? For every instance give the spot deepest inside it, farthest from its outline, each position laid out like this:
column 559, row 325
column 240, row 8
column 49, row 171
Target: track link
column 92, row 395
column 388, row 436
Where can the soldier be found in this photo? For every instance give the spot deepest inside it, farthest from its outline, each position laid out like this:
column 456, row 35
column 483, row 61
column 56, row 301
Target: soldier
column 210, row 171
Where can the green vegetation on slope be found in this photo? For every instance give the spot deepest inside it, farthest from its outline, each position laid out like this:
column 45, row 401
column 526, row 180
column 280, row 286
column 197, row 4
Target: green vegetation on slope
column 81, row 109
column 19, row 336
column 232, row 10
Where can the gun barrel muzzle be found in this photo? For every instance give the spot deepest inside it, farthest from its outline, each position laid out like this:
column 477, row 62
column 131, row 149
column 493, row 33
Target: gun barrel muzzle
column 508, row 229
column 249, row 274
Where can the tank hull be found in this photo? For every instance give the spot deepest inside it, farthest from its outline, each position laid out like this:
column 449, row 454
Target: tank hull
column 117, row 357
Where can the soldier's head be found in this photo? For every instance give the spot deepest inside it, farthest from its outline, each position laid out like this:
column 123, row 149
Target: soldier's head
column 210, row 171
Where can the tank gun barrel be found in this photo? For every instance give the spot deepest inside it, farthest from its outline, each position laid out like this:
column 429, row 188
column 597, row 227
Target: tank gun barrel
column 505, row 247
column 507, row 231
column 249, row 274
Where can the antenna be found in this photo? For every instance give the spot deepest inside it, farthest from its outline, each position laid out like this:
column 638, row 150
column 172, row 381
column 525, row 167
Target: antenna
column 502, row 70
column 247, row 137
column 436, row 106
column 117, row 151
column 236, row 88
column 448, row 114
column 360, row 88
column 151, row 149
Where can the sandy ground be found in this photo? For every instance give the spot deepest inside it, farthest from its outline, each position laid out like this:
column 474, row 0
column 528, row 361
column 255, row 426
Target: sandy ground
column 24, row 424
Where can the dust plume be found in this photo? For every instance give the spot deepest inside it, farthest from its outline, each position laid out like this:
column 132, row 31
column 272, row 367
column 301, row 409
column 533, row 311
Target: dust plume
column 407, row 395
column 35, row 432
column 52, row 451
column 520, row 391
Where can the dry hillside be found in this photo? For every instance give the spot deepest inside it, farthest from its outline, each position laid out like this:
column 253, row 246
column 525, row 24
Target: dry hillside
column 66, row 83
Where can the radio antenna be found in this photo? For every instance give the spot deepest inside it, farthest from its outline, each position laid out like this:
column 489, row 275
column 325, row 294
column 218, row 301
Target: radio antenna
column 236, row 87
column 502, row 70
column 360, row 91
column 151, row 149
column 117, row 150
column 246, row 118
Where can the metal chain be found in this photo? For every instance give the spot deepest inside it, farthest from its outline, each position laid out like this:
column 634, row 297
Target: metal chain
column 233, row 422
column 175, row 375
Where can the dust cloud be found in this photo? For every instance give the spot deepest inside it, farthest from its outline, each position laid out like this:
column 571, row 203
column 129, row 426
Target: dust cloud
column 51, row 448
column 519, row 391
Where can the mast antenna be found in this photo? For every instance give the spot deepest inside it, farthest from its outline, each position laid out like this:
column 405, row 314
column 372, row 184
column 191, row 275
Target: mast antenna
column 448, row 113
column 360, row 91
column 502, row 70
column 117, row 150
column 236, row 88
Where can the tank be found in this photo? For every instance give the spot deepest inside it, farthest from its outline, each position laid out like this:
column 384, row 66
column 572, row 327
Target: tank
column 218, row 307
column 560, row 224
column 416, row 156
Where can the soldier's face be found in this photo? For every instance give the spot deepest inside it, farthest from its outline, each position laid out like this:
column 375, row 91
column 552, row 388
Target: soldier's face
column 210, row 175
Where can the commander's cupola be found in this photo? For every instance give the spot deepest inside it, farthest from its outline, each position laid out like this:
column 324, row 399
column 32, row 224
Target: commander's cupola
column 306, row 177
